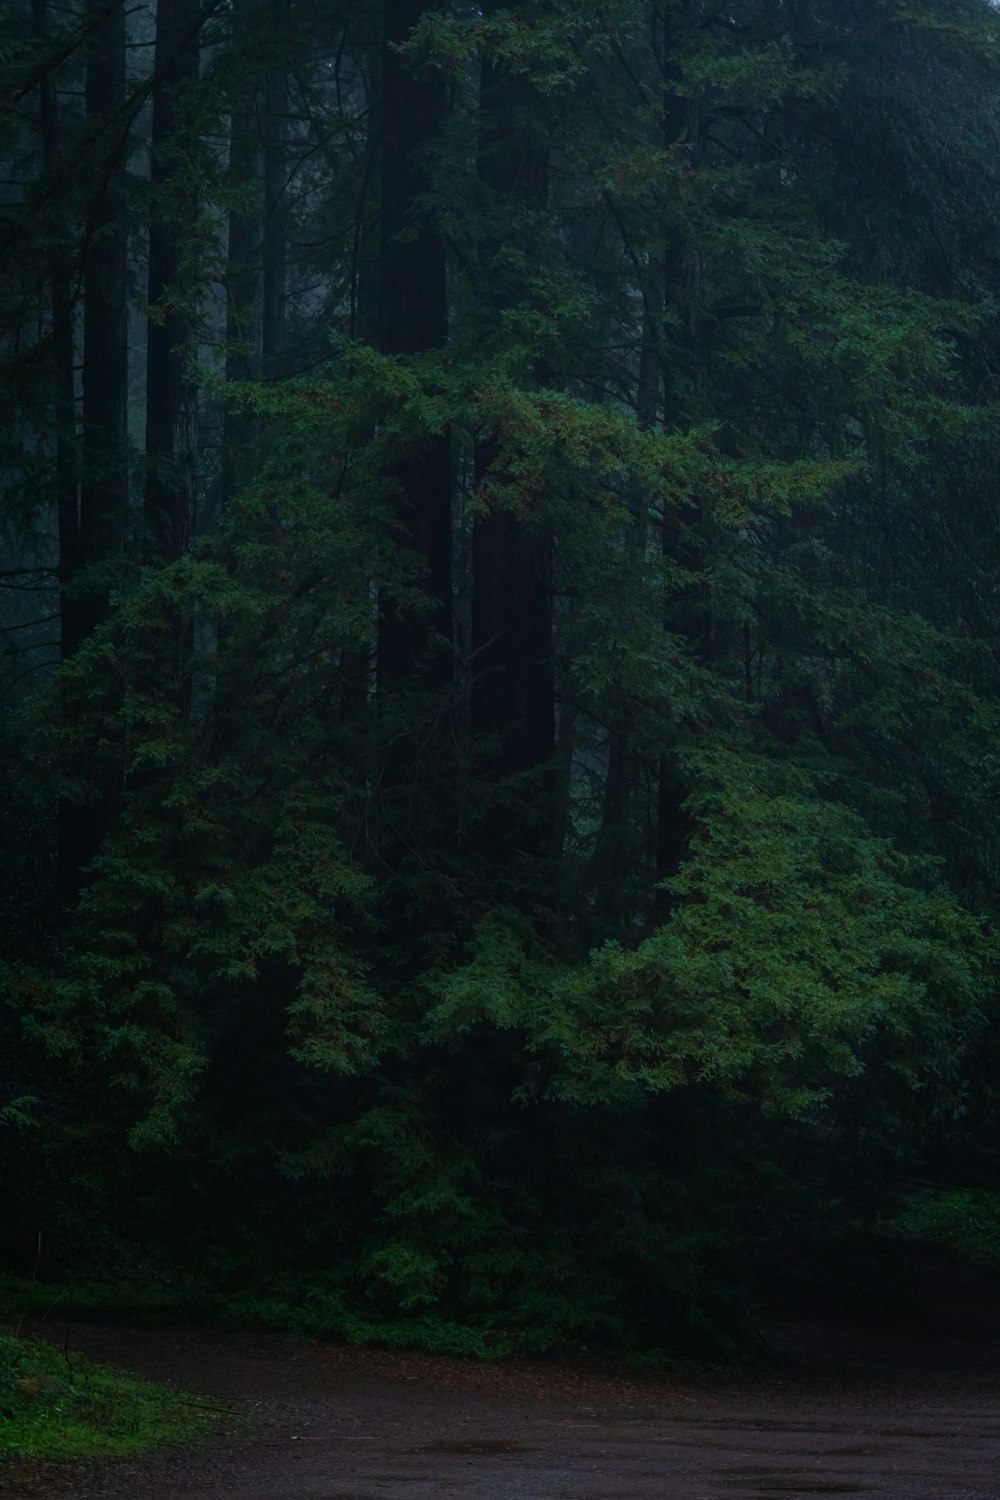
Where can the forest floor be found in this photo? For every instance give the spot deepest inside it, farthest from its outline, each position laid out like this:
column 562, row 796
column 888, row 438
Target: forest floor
column 906, row 1406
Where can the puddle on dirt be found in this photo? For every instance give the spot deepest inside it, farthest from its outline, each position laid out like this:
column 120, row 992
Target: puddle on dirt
column 480, row 1448
column 713, row 1445
column 814, row 1490
column 860, row 1450
column 828, row 1429
column 774, row 1479
column 766, row 1471
column 792, row 1486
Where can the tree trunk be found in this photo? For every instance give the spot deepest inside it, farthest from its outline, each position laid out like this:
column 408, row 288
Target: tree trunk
column 171, row 396
column 241, row 429
column 275, row 199
column 62, row 314
column 613, row 889
column 681, row 540
column 243, row 279
column 414, row 320
column 513, row 693
column 104, row 477
column 94, row 534
column 72, row 847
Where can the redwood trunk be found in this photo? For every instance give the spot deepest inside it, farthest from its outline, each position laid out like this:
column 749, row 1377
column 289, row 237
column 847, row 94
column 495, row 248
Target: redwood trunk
column 104, row 477
column 414, row 320
column 275, row 199
column 171, row 396
column 513, row 693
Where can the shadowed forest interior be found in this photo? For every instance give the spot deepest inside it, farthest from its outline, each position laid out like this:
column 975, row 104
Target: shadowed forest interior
column 499, row 657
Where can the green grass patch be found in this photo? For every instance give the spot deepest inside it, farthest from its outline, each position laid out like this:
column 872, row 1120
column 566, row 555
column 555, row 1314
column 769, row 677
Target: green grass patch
column 57, row 1405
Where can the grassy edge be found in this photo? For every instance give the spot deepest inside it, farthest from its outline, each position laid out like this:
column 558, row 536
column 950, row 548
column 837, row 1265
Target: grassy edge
column 56, row 1405
column 59, row 1405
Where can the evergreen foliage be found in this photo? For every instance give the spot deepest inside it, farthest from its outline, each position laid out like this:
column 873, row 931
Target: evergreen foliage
column 515, row 835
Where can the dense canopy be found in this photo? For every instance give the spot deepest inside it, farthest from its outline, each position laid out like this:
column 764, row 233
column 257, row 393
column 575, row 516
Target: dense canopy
column 499, row 679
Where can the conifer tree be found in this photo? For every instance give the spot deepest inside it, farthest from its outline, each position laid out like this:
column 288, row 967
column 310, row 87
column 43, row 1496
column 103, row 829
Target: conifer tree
column 573, row 364
column 102, row 504
column 414, row 321
column 171, row 394
column 513, row 705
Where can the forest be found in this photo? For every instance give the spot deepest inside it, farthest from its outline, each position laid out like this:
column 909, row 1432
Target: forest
column 499, row 657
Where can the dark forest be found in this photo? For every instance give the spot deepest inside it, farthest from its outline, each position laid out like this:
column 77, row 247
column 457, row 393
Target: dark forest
column 499, row 658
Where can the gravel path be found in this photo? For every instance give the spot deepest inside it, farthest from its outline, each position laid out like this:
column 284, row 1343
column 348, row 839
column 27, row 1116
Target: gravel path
column 909, row 1410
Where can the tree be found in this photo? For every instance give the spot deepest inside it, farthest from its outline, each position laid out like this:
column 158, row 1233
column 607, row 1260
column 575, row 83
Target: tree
column 171, row 392
column 586, row 794
column 414, row 321
column 92, row 542
column 513, row 707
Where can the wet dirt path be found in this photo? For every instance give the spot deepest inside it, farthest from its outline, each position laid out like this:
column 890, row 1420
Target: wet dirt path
column 909, row 1410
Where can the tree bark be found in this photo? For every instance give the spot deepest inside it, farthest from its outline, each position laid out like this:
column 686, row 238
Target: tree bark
column 613, row 890
column 94, row 533
column 681, row 543
column 513, row 691
column 73, row 847
column 171, row 396
column 62, row 316
column 414, row 320
column 104, row 475
column 243, row 278
column 275, row 198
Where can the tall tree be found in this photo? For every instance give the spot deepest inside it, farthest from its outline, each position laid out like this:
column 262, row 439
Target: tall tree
column 171, row 392
column 104, row 450
column 513, row 692
column 245, row 234
column 724, row 380
column 74, row 841
column 276, row 164
column 414, row 641
column 62, row 345
column 104, row 442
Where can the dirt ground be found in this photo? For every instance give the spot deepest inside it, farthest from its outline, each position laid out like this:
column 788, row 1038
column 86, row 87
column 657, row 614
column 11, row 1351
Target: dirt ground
column 907, row 1407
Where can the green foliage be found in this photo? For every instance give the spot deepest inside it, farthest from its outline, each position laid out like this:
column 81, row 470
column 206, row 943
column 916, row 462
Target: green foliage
column 21, row 1297
column 729, row 364
column 963, row 1221
column 801, row 950
column 17, row 1111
